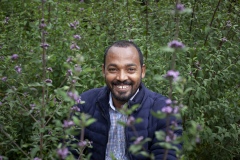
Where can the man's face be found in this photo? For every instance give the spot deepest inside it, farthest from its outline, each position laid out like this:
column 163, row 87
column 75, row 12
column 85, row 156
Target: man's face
column 123, row 73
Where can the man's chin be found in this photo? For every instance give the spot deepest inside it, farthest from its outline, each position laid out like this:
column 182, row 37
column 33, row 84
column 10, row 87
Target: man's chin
column 122, row 98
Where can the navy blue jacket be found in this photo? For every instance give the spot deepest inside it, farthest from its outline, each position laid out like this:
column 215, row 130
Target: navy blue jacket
column 97, row 105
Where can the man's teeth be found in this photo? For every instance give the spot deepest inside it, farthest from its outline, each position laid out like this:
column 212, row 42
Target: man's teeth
column 122, row 87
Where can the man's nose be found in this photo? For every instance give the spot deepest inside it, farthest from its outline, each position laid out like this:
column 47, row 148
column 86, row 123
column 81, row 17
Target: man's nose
column 122, row 76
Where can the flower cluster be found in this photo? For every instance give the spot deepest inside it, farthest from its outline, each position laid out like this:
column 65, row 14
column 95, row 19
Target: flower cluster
column 62, row 153
column 42, row 24
column 130, row 121
column 82, row 144
column 180, row 7
column 170, row 136
column 78, row 37
column 6, row 20
column 44, row 45
column 74, row 24
column 67, row 124
column 138, row 140
column 69, row 72
column 224, row 39
column 78, row 68
column 14, row 57
column 18, row 69
column 48, row 81
column 49, row 69
column 172, row 74
column 176, row 44
column 74, row 96
column 168, row 109
column 75, row 108
column 229, row 24
column 74, row 46
column 4, row 79
column 69, row 60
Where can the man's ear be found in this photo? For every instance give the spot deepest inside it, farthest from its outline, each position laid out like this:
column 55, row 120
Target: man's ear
column 103, row 70
column 143, row 70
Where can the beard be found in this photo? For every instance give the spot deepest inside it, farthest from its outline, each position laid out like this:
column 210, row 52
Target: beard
column 122, row 96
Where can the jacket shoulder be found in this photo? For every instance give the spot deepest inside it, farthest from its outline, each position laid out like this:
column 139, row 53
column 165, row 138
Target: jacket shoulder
column 89, row 94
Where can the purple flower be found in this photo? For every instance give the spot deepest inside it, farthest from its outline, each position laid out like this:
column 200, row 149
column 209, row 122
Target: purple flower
column 167, row 109
column 69, row 59
column 48, row 81
column 197, row 139
column 49, row 69
column 229, row 24
column 70, row 94
column 14, row 57
column 6, row 20
column 77, row 37
column 75, row 108
column 172, row 74
column 168, row 101
column 36, row 158
column 18, row 69
column 180, row 7
column 74, row 46
column 69, row 72
column 199, row 127
column 78, row 100
column 1, row 103
column 4, row 79
column 44, row 45
column 224, row 39
column 42, row 24
column 75, row 97
column 81, row 1
column 138, row 140
column 62, row 153
column 67, row 124
column 74, row 24
column 174, row 124
column 130, row 120
column 74, row 81
column 175, row 109
column 170, row 136
column 78, row 68
column 176, row 44
column 82, row 143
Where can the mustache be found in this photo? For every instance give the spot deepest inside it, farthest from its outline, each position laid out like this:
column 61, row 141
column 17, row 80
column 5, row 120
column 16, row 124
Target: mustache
column 121, row 82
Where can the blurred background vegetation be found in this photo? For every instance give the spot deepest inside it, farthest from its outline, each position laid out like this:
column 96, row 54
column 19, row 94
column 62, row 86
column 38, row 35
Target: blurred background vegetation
column 210, row 68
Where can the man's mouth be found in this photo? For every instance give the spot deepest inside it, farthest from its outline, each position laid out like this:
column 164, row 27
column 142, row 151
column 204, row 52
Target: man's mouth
column 123, row 87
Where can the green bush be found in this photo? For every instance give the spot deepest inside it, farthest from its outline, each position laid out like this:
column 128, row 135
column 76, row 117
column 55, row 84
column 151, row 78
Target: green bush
column 32, row 108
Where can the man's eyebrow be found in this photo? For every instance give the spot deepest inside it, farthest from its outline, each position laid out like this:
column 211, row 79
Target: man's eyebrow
column 131, row 64
column 127, row 65
column 111, row 64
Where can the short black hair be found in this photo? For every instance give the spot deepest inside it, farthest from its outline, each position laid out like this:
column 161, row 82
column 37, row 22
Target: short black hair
column 124, row 44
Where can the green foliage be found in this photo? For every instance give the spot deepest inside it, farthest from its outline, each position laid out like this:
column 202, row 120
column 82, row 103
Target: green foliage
column 32, row 111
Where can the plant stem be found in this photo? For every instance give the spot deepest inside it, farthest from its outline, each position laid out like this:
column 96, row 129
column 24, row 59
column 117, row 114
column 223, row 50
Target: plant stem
column 214, row 13
column 42, row 114
column 9, row 137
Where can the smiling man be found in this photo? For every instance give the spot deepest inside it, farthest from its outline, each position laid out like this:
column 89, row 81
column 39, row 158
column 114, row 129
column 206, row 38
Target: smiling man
column 123, row 69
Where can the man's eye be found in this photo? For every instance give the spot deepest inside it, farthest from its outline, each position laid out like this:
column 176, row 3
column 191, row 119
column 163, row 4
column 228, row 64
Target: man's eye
column 131, row 69
column 112, row 69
